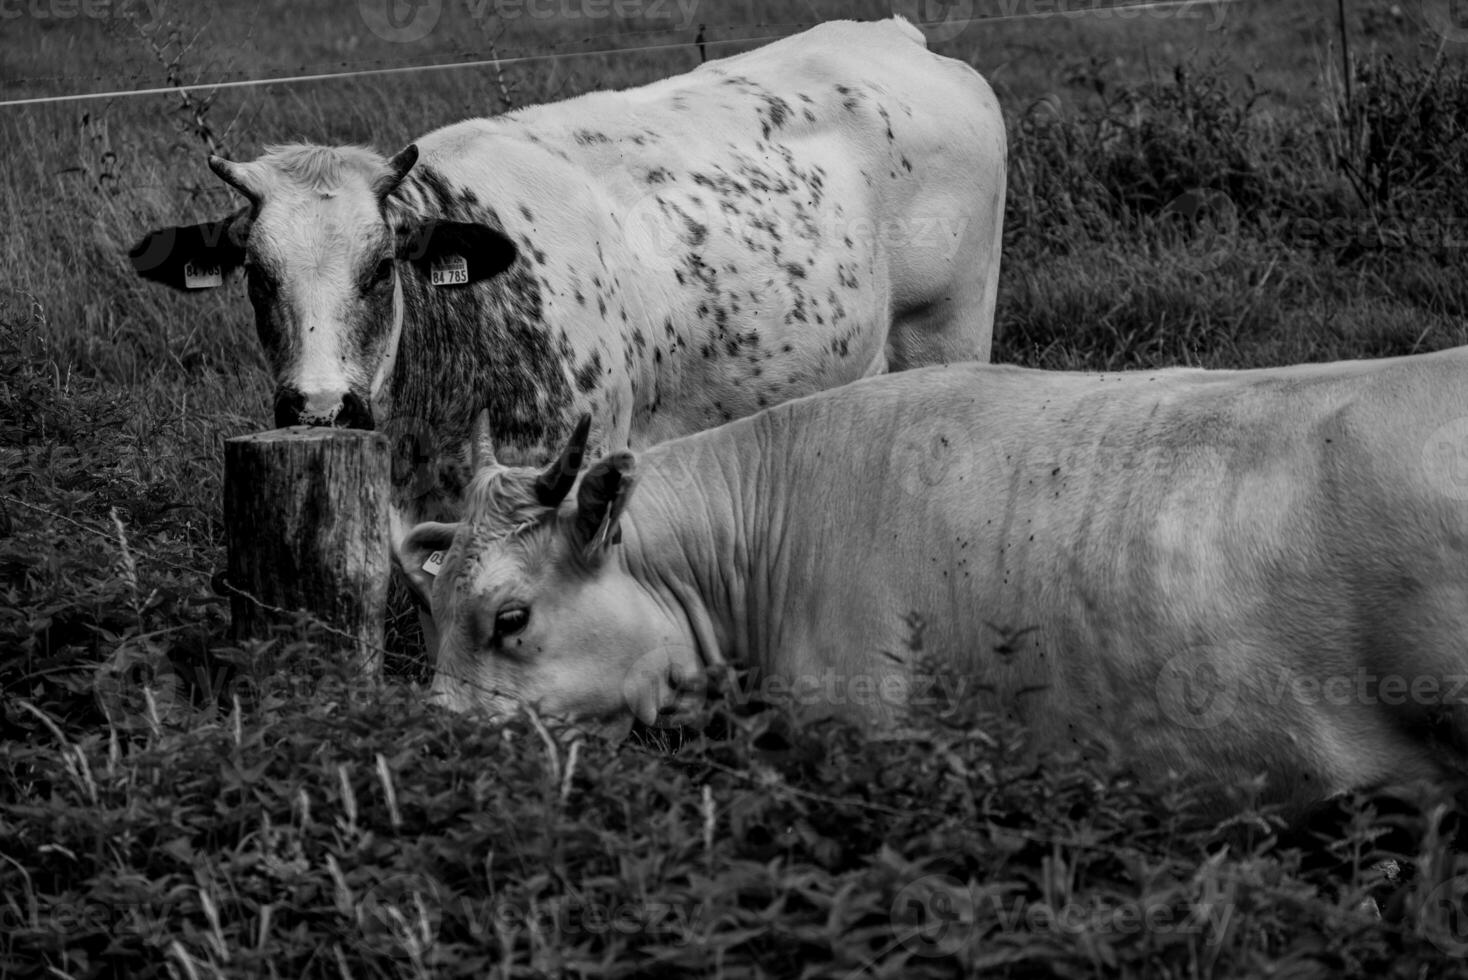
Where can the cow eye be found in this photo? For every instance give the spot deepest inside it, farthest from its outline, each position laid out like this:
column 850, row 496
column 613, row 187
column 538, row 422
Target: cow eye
column 508, row 622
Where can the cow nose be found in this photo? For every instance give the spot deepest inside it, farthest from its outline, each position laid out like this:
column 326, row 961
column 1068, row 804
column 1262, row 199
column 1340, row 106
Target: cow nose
column 441, row 695
column 354, row 413
column 346, row 410
column 289, row 404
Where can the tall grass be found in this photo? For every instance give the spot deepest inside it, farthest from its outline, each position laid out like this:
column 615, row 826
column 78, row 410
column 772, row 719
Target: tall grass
column 1174, row 222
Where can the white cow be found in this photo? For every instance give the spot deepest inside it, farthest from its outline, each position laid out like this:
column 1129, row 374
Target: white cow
column 664, row 258
column 1226, row 573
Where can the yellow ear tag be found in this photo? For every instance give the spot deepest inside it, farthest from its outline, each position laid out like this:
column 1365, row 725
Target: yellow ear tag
column 433, row 564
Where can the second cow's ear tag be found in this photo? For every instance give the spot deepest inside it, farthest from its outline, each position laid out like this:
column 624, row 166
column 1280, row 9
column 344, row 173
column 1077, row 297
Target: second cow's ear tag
column 451, row 270
column 202, row 276
column 433, row 564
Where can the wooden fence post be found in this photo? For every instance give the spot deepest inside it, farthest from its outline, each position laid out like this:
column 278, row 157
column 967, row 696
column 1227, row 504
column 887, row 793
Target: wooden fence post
column 306, row 517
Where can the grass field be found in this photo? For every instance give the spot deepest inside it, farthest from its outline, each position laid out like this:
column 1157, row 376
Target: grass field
column 1186, row 187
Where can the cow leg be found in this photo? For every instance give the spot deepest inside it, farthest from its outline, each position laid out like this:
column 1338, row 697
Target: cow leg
column 944, row 303
column 933, row 335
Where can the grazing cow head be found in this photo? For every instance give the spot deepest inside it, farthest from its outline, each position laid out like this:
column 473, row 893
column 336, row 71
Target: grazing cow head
column 324, row 245
column 533, row 602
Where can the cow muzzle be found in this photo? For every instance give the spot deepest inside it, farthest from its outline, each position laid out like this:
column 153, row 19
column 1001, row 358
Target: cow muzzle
column 442, row 696
column 343, row 411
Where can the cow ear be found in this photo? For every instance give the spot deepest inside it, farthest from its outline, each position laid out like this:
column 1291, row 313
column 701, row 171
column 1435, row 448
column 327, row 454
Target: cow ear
column 191, row 257
column 602, row 497
column 421, row 555
column 480, row 251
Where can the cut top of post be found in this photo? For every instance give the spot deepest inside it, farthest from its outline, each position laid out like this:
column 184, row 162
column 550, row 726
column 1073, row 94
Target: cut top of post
column 311, row 433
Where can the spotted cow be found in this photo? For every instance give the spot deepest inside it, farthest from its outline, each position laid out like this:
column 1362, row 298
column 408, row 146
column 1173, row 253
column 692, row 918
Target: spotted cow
column 664, row 258
column 1239, row 574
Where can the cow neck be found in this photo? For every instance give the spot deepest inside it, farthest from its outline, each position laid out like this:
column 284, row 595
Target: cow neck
column 425, row 360
column 684, row 544
column 453, row 357
column 443, row 353
column 486, row 346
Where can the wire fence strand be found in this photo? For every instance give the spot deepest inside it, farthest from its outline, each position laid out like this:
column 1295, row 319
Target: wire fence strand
column 1129, row 9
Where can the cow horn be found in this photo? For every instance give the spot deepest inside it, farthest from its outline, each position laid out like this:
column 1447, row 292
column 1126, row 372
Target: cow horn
column 397, row 169
column 481, row 444
column 552, row 485
column 237, row 176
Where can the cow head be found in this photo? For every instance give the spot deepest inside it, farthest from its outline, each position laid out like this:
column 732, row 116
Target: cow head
column 324, row 245
column 533, row 601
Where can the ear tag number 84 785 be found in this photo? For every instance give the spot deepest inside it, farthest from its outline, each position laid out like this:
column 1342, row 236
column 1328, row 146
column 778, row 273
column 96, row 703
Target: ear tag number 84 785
column 202, row 276
column 450, row 271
